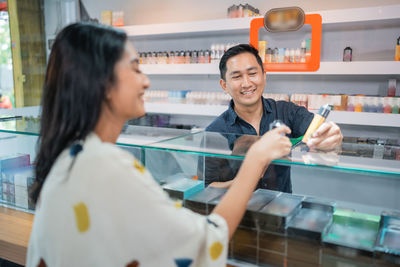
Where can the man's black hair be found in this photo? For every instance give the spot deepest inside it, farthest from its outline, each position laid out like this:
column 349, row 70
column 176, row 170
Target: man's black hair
column 234, row 51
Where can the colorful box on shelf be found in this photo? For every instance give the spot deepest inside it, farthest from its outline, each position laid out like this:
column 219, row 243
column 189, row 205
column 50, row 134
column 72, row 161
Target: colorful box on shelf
column 276, row 214
column 315, row 21
column 352, row 233
column 259, row 199
column 199, row 201
column 312, row 220
column 183, row 188
column 387, row 244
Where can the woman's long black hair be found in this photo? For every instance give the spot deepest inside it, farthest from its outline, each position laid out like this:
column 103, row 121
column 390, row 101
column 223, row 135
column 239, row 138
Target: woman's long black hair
column 79, row 73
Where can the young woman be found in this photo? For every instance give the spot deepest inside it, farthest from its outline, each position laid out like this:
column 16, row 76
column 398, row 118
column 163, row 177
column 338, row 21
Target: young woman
column 96, row 205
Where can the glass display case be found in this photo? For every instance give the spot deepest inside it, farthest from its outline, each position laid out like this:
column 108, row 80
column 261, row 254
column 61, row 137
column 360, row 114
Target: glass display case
column 352, row 216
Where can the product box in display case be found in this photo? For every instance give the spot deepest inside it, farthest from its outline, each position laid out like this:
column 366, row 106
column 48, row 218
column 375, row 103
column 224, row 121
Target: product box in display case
column 199, row 202
column 275, row 216
column 183, row 188
column 387, row 247
column 352, row 235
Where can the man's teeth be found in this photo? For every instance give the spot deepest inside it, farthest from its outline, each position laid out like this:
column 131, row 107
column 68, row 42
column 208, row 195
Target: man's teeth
column 248, row 92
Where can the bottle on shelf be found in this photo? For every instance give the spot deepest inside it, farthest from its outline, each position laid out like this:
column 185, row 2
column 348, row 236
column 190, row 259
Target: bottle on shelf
column 358, row 105
column 347, row 54
column 268, row 56
column 397, row 53
column 350, row 103
column 275, row 55
column 262, row 46
column 287, row 55
column 291, row 55
column 303, row 52
column 387, row 105
column 308, row 49
column 395, row 105
column 379, row 104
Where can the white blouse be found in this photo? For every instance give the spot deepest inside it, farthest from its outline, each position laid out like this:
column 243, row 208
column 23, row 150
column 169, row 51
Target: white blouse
column 103, row 208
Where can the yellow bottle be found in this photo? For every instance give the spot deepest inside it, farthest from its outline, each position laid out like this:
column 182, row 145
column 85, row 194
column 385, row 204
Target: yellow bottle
column 397, row 54
column 262, row 46
column 318, row 119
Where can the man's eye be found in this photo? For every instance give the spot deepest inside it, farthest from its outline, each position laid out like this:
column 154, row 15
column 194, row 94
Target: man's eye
column 252, row 73
column 235, row 77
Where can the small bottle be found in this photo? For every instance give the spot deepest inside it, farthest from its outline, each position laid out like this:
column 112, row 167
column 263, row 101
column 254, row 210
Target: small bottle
column 268, row 56
column 308, row 49
column 188, row 57
column 350, row 104
column 367, row 105
column 387, row 105
column 347, row 54
column 281, row 55
column 176, row 59
column 171, row 57
column 395, row 105
column 275, row 55
column 240, row 11
column 246, row 10
column 379, row 104
column 297, row 56
column 201, row 57
column 207, row 56
column 358, row 105
column 287, row 56
column 303, row 52
column 153, row 58
column 392, row 84
column 159, row 58
column 291, row 55
column 262, row 46
column 181, row 57
column 194, row 59
column 397, row 54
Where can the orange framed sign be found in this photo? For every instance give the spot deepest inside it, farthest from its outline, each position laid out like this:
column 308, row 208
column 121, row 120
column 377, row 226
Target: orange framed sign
column 315, row 21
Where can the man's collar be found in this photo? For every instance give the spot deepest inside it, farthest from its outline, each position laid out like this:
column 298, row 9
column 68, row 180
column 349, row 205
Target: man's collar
column 232, row 115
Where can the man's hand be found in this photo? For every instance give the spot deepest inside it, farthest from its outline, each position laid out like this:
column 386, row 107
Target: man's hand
column 327, row 137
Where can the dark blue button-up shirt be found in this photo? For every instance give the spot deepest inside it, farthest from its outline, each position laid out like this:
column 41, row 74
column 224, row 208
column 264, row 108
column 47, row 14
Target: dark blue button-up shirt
column 276, row 177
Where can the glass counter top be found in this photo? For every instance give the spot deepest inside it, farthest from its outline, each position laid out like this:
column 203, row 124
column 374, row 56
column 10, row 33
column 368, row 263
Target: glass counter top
column 376, row 158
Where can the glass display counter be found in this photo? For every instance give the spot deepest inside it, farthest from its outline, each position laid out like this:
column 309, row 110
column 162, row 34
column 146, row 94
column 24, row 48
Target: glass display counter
column 278, row 229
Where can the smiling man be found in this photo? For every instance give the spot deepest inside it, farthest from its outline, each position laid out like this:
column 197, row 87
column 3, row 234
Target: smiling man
column 244, row 79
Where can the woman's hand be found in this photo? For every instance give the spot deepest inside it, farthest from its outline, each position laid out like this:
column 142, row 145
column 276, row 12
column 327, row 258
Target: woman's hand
column 272, row 145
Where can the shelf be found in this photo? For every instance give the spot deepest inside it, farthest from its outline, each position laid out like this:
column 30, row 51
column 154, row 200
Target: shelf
column 356, row 15
column 185, row 109
column 365, row 118
column 326, row 68
column 340, row 117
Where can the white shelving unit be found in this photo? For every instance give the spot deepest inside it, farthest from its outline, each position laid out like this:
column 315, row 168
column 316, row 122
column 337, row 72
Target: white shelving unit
column 356, row 15
column 326, row 68
column 341, row 117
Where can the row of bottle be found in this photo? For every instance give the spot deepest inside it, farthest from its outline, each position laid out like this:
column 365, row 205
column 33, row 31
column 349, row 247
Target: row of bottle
column 348, row 103
column 176, row 57
column 285, row 55
column 240, row 11
column 309, row 101
column 186, row 96
column 186, row 57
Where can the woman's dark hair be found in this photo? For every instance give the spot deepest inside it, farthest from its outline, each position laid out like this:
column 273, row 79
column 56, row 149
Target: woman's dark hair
column 234, row 51
column 79, row 73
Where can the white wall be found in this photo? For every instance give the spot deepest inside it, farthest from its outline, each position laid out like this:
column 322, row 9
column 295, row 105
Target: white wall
column 161, row 11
